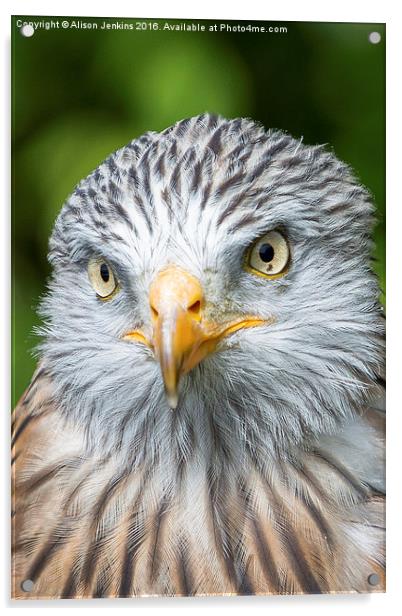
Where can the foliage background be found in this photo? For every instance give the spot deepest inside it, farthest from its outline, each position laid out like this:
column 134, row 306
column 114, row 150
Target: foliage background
column 80, row 94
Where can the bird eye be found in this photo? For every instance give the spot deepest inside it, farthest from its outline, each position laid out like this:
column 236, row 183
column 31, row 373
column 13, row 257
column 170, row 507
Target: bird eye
column 269, row 256
column 102, row 278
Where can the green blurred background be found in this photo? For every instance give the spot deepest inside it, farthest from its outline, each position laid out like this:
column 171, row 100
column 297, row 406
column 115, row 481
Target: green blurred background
column 80, row 94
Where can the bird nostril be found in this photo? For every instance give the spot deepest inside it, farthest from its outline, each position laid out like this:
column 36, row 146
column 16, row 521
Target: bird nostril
column 154, row 312
column 195, row 307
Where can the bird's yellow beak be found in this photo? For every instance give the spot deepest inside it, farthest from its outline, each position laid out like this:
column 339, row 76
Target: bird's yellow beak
column 176, row 300
column 181, row 337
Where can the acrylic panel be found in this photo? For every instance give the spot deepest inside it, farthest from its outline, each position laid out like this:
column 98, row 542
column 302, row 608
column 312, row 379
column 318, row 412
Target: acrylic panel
column 198, row 307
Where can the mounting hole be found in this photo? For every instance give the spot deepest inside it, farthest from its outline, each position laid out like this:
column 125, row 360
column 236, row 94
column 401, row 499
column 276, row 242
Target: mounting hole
column 27, row 585
column 374, row 37
column 373, row 579
column 27, row 30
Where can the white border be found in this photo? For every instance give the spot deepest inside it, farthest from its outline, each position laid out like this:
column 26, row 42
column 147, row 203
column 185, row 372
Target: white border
column 290, row 10
column 285, row 10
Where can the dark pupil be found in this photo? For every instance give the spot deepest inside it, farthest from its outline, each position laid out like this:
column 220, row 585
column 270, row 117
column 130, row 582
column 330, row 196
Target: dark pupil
column 104, row 272
column 266, row 253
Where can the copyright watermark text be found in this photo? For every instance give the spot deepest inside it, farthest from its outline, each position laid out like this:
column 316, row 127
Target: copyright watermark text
column 137, row 25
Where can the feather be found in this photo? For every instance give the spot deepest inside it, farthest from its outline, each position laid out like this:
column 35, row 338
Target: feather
column 309, row 525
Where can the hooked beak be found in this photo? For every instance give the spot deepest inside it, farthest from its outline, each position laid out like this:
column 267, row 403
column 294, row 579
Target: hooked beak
column 181, row 337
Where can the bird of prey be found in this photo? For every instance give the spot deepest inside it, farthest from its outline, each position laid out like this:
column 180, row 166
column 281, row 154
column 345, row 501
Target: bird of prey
column 206, row 416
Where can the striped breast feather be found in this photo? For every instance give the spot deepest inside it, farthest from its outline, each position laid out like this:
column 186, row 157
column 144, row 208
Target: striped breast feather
column 85, row 527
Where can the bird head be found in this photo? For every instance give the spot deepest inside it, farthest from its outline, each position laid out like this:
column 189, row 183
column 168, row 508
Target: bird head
column 211, row 283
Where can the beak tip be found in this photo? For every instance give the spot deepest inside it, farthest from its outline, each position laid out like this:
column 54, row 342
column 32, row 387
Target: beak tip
column 172, row 399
